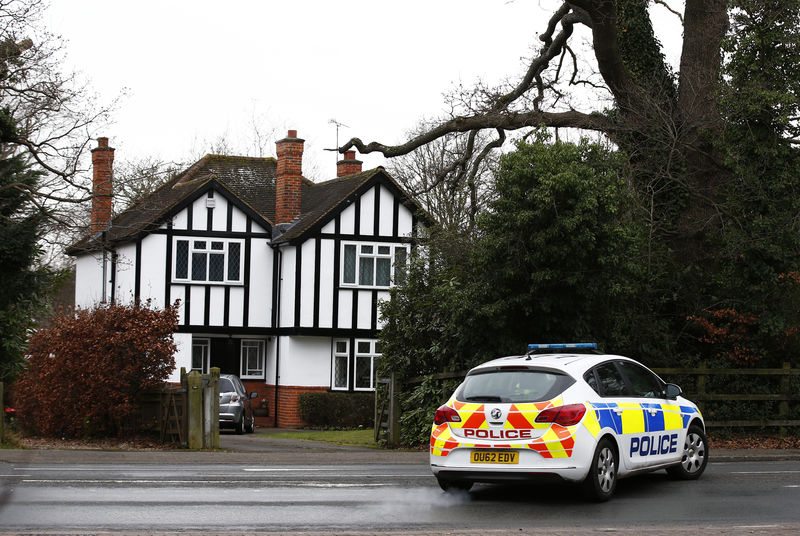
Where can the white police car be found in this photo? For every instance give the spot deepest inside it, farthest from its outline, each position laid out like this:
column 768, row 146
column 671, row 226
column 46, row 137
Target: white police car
column 585, row 417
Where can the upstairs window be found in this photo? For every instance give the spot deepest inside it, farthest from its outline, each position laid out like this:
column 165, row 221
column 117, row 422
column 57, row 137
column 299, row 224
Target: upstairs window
column 208, row 260
column 373, row 265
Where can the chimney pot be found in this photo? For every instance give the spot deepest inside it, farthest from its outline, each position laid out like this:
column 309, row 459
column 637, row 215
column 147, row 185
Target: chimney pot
column 348, row 165
column 292, row 134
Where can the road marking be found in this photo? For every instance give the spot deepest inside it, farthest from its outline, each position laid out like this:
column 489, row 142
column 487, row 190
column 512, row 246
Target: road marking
column 756, row 526
column 296, row 483
column 764, row 472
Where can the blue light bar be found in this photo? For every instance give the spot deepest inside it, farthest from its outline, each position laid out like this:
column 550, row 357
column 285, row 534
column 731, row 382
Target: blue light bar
column 563, row 345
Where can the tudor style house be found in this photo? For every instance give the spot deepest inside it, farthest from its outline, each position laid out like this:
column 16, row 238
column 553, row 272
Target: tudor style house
column 277, row 279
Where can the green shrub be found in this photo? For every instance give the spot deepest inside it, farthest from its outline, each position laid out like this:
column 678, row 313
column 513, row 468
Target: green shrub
column 337, row 409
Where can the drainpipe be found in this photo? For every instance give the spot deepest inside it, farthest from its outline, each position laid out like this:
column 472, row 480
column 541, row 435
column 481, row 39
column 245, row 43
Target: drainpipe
column 279, row 253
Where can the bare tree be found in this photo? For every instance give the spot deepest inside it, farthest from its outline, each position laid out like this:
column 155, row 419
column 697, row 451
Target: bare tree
column 451, row 181
column 667, row 123
column 54, row 111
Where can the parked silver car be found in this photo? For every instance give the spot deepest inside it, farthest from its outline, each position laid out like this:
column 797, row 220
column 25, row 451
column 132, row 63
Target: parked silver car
column 235, row 410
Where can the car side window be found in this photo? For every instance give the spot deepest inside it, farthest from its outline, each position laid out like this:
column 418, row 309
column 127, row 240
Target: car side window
column 611, row 381
column 591, row 381
column 643, row 382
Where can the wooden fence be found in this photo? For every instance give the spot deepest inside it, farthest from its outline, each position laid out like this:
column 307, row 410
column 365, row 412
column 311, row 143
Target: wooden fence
column 703, row 394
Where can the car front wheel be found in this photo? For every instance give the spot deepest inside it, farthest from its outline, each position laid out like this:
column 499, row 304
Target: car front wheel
column 601, row 481
column 695, row 456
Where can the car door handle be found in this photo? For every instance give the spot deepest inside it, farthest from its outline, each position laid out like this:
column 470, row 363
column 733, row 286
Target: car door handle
column 618, row 411
column 653, row 411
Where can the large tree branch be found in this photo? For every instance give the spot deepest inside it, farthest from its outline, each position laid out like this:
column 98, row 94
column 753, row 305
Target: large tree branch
column 493, row 120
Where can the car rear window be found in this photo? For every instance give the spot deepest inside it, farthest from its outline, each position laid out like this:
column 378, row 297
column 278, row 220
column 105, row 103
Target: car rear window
column 226, row 386
column 513, row 386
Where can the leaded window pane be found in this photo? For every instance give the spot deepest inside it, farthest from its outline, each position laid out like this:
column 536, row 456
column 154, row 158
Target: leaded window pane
column 340, row 372
column 217, row 245
column 383, row 267
column 363, row 372
column 199, row 266
column 182, row 259
column 234, row 260
column 216, row 267
column 363, row 347
column 384, row 250
column 199, row 244
column 366, row 249
column 365, row 270
column 349, row 275
column 341, row 347
column 400, row 255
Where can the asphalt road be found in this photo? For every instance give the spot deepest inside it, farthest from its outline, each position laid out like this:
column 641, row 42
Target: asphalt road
column 398, row 495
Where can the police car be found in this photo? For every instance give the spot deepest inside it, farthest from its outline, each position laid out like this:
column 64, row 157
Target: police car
column 587, row 418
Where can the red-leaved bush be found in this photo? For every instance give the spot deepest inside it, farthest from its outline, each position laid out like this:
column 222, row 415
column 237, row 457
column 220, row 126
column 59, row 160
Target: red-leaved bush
column 85, row 371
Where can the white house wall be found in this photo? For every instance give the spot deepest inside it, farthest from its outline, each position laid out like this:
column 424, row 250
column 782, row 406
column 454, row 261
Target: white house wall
column 183, row 355
column 125, row 274
column 154, row 258
column 89, row 280
column 305, row 361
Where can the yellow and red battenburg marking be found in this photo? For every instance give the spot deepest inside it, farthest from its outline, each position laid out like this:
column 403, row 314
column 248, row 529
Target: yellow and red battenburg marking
column 556, row 442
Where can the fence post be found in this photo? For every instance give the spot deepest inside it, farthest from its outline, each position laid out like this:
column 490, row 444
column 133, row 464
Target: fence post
column 2, row 416
column 701, row 381
column 394, row 414
column 783, row 407
column 211, row 411
column 194, row 402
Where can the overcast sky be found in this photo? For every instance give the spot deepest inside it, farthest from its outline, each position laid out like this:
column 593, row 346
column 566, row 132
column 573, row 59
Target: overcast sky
column 195, row 71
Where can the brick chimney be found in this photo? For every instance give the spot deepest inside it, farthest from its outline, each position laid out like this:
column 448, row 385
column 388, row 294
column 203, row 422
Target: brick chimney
column 348, row 165
column 102, row 171
column 289, row 180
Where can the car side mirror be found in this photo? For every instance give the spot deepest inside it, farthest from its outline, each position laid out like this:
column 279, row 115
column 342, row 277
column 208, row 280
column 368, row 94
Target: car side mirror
column 672, row 391
column 254, row 395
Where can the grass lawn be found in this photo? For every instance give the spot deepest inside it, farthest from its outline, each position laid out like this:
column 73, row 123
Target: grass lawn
column 353, row 438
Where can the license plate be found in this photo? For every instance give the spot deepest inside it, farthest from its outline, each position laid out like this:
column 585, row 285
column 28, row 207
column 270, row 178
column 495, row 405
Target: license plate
column 494, row 456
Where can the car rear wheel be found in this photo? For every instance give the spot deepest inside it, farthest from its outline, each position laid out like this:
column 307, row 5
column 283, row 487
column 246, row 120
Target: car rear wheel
column 239, row 426
column 252, row 426
column 695, row 456
column 601, row 481
column 454, row 485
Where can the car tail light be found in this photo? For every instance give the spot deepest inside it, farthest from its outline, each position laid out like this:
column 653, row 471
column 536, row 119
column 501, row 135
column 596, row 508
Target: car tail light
column 446, row 414
column 234, row 398
column 568, row 415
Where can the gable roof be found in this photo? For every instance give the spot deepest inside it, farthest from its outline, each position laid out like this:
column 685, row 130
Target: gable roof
column 322, row 201
column 250, row 184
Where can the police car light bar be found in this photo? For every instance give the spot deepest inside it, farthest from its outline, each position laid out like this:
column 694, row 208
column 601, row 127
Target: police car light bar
column 563, row 345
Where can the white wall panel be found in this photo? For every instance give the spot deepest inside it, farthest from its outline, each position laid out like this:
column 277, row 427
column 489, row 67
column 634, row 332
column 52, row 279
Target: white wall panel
column 236, row 307
column 260, row 312
column 364, row 309
column 287, row 287
column 125, row 277
column 180, row 219
column 216, row 313
column 368, row 212
column 238, row 220
column 88, row 280
column 199, row 214
column 178, row 293
column 382, row 297
column 386, row 223
column 153, row 268
column 220, row 213
column 183, row 355
column 256, row 228
column 305, row 361
column 307, row 283
column 197, row 305
column 345, row 309
column 404, row 220
column 326, row 283
column 330, row 227
column 347, row 220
